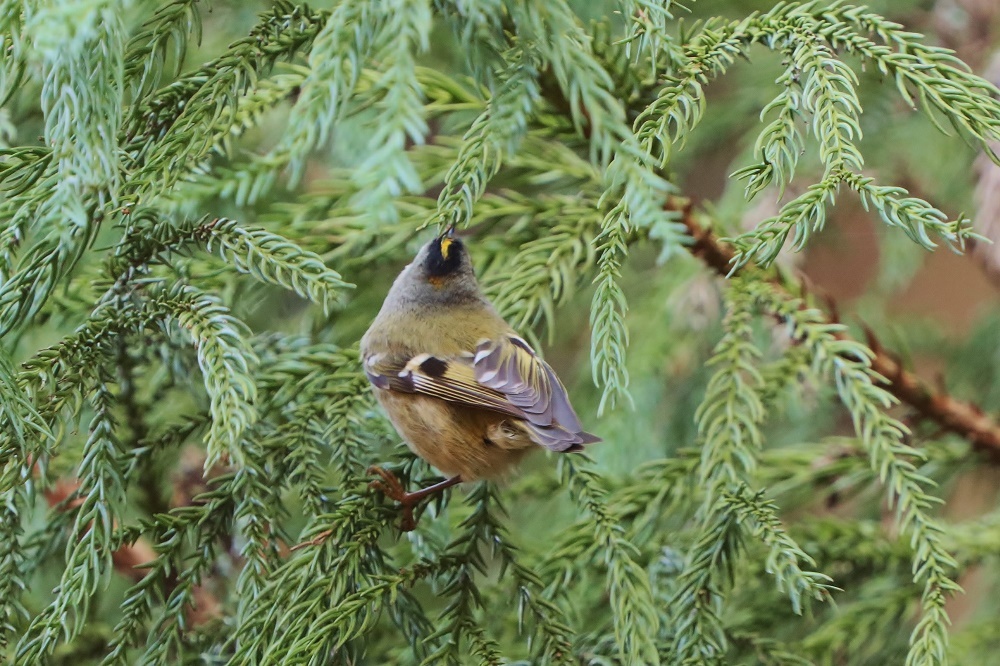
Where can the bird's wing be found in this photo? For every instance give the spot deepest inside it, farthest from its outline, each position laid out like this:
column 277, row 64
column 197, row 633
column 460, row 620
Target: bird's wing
column 503, row 375
column 451, row 379
column 509, row 365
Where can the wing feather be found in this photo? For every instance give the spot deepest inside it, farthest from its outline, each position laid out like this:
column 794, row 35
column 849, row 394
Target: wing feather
column 452, row 380
column 515, row 370
column 503, row 375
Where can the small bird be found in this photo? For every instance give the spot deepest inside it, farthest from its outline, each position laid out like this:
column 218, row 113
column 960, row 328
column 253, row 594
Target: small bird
column 468, row 394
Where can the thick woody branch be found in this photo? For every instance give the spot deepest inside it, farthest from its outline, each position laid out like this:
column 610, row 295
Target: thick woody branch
column 962, row 418
column 953, row 415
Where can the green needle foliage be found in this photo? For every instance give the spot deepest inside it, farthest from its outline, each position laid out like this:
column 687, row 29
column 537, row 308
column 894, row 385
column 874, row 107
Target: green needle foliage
column 202, row 206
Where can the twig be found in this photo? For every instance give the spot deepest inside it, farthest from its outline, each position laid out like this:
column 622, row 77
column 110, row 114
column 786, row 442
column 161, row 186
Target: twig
column 315, row 541
column 934, row 404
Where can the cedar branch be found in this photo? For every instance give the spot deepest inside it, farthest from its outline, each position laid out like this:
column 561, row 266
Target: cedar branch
column 962, row 418
column 128, row 559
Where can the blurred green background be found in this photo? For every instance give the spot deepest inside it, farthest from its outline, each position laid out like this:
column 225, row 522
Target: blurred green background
column 939, row 311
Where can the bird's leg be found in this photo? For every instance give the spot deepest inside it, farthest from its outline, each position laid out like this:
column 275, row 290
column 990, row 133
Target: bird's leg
column 393, row 489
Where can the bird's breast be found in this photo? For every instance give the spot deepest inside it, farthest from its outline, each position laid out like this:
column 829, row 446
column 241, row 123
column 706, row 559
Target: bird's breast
column 457, row 440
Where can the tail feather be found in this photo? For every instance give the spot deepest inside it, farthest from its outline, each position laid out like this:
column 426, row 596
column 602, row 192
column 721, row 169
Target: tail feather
column 559, row 439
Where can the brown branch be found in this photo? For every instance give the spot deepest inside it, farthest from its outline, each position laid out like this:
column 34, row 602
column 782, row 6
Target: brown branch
column 961, row 418
column 931, row 403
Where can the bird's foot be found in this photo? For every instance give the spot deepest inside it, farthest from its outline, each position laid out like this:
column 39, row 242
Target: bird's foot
column 390, row 486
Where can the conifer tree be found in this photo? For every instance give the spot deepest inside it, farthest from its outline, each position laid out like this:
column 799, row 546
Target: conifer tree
column 202, row 206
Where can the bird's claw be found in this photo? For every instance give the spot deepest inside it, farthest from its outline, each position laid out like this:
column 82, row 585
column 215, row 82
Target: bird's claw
column 390, row 486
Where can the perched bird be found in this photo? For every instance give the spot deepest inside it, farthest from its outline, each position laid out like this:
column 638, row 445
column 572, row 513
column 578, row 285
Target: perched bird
column 467, row 394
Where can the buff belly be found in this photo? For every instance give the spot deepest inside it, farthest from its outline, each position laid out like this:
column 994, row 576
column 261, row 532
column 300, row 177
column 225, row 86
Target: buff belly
column 471, row 443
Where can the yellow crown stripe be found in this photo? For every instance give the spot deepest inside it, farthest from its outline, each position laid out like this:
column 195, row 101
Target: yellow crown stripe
column 445, row 245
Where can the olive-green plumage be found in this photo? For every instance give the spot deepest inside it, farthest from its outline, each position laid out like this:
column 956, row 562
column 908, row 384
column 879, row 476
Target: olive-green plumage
column 467, row 394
